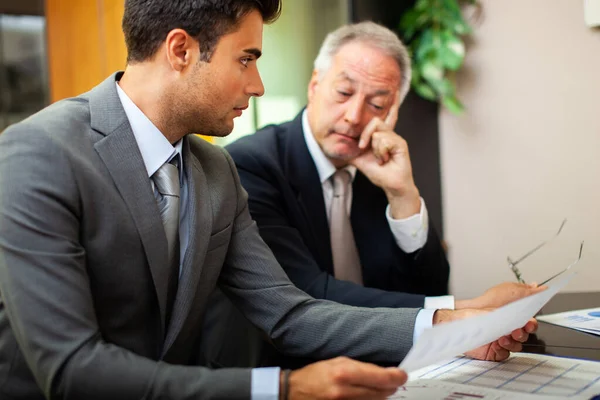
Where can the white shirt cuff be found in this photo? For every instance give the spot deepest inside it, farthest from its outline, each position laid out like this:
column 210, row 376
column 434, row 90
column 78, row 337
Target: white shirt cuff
column 424, row 321
column 410, row 233
column 265, row 383
column 438, row 302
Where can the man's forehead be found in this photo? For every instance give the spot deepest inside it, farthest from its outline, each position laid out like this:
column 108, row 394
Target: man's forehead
column 375, row 87
column 362, row 63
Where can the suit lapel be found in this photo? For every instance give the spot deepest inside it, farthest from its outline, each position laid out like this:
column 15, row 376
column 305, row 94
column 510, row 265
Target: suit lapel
column 303, row 176
column 121, row 155
column 200, row 227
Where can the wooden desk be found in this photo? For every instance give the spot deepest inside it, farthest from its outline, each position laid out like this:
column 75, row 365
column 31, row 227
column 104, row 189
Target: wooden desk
column 560, row 341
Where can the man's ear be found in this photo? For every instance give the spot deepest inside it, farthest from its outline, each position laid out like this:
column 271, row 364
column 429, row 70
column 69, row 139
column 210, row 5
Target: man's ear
column 180, row 48
column 312, row 84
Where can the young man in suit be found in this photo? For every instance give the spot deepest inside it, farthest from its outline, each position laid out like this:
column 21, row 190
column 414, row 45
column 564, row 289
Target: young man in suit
column 361, row 75
column 116, row 223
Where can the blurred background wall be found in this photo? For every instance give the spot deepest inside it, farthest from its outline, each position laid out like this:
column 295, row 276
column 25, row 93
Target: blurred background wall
column 23, row 70
column 525, row 155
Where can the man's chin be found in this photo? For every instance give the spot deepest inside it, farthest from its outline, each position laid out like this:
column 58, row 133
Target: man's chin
column 220, row 131
column 342, row 153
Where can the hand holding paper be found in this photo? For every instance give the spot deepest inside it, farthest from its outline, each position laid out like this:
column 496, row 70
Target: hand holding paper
column 500, row 295
column 447, row 340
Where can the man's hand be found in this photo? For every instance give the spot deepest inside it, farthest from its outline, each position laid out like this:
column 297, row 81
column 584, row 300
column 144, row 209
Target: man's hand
column 343, row 378
column 500, row 349
column 386, row 162
column 497, row 350
column 500, row 295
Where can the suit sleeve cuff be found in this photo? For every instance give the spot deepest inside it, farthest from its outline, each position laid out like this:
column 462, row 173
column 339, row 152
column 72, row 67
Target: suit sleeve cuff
column 424, row 321
column 410, row 233
column 438, row 302
column 265, row 384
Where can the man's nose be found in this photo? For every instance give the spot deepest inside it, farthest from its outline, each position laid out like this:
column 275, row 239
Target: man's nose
column 354, row 110
column 256, row 87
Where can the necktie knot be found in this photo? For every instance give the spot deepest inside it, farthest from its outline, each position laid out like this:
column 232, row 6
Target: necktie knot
column 166, row 179
column 341, row 180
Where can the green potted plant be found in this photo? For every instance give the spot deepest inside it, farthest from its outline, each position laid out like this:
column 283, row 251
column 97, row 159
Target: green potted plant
column 434, row 31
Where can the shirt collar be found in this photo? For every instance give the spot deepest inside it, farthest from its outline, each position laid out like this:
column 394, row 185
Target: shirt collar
column 325, row 168
column 154, row 146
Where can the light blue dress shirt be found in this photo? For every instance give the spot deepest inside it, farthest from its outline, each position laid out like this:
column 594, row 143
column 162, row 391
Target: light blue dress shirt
column 157, row 150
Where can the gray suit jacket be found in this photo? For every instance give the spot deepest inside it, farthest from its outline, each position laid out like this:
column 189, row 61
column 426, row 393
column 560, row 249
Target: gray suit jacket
column 83, row 269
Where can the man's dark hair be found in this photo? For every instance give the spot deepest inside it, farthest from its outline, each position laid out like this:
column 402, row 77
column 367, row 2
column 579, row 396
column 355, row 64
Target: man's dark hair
column 146, row 23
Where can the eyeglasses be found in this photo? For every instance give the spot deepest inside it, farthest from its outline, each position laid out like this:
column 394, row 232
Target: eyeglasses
column 513, row 264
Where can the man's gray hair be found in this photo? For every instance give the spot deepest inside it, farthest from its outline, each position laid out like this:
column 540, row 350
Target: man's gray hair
column 372, row 34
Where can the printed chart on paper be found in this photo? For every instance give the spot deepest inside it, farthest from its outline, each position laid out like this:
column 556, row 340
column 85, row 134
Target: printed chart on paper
column 522, row 376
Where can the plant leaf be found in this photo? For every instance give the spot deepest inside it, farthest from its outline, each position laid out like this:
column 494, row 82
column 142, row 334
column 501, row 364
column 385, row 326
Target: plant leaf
column 461, row 27
column 425, row 91
column 422, row 5
column 453, row 105
column 446, row 88
column 452, row 53
column 432, row 71
column 453, row 7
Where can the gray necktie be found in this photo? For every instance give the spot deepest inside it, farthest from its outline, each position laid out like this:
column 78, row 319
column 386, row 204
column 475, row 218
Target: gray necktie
column 167, row 193
column 346, row 263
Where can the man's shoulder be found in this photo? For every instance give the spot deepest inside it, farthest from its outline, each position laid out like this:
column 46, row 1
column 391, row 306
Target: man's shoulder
column 267, row 145
column 62, row 122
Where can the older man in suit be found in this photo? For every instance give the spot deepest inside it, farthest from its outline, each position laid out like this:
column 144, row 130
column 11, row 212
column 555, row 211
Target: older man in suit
column 385, row 253
column 116, row 224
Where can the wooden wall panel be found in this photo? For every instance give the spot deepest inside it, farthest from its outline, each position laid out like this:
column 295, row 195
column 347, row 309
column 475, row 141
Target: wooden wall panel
column 112, row 35
column 85, row 44
column 74, row 58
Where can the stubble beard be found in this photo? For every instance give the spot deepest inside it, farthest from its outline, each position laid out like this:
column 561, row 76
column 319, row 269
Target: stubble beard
column 341, row 156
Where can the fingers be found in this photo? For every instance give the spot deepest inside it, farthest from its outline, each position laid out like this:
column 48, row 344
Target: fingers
column 376, row 135
column 531, row 326
column 382, row 147
column 514, row 341
column 384, row 143
column 522, row 334
column 343, row 378
column 392, row 116
column 519, row 335
column 355, row 373
column 535, row 288
column 386, row 125
column 367, row 133
column 499, row 352
column 509, row 343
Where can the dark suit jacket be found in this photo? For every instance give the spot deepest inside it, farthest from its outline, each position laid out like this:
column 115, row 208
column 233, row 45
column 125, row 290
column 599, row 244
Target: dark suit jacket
column 83, row 267
column 286, row 201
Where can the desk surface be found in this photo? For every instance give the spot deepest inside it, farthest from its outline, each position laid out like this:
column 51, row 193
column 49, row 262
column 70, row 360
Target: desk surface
column 565, row 342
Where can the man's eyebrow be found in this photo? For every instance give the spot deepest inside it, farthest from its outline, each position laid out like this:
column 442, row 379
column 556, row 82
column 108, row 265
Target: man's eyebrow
column 254, row 51
column 344, row 76
column 378, row 92
column 382, row 92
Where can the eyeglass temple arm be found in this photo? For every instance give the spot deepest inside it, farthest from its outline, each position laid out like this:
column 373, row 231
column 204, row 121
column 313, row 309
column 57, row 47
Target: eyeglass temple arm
column 530, row 252
column 564, row 270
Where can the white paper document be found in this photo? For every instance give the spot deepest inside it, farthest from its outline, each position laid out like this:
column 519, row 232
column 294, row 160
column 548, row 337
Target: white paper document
column 521, row 376
column 587, row 320
column 448, row 340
